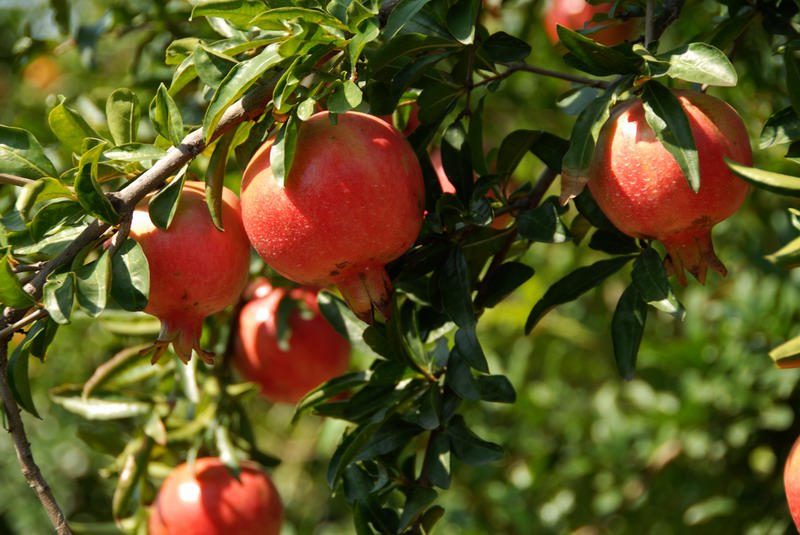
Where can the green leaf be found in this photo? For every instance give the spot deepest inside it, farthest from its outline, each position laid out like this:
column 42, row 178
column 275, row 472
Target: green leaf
column 39, row 191
column 417, row 500
column 128, row 367
column 573, row 286
column 90, row 195
column 403, row 12
column 787, row 355
column 130, row 277
column 788, row 256
column 348, row 449
column 281, row 154
column 496, row 389
column 782, row 127
column 367, row 32
column 123, row 115
column 328, row 390
column 133, row 460
column 627, row 329
column 55, row 216
column 166, row 116
column 239, row 12
column 652, row 284
column 508, row 277
column 767, row 180
column 69, row 127
column 276, row 18
column 22, row 155
column 164, row 204
column 543, row 224
column 456, row 289
column 59, row 296
column 93, row 285
column 469, row 347
column 513, row 148
column 602, row 59
column 135, row 152
column 700, row 63
column 215, row 179
column 613, row 242
column 393, row 435
column 435, row 100
column 468, row 447
column 100, row 408
column 11, row 292
column 667, row 118
column 460, row 378
column 792, row 77
column 410, row 45
column 461, row 20
column 437, row 458
column 17, row 372
column 505, row 48
column 238, row 80
column 212, row 66
column 344, row 97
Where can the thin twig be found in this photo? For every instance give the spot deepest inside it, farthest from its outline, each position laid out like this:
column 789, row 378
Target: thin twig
column 19, row 268
column 7, row 332
column 525, row 67
column 29, row 467
column 14, row 180
column 649, row 17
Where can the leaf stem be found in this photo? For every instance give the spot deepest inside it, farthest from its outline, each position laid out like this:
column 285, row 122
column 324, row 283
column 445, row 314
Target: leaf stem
column 525, row 67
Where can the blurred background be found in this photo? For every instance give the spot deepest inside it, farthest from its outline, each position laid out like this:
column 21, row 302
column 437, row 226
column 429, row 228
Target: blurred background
column 694, row 444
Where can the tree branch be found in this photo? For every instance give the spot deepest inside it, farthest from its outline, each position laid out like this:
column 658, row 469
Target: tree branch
column 14, row 180
column 249, row 107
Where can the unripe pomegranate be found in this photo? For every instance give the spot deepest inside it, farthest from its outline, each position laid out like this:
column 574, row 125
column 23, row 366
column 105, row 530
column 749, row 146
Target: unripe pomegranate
column 574, row 14
column 206, row 499
column 313, row 353
column 791, row 482
column 195, row 269
column 352, row 202
column 640, row 187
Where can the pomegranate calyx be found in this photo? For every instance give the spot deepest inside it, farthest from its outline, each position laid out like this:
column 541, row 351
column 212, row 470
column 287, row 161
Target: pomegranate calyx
column 694, row 253
column 367, row 291
column 184, row 335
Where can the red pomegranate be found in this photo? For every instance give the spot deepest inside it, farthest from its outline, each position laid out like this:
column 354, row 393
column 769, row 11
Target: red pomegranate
column 352, row 202
column 642, row 190
column 195, row 269
column 313, row 353
column 791, row 482
column 575, row 14
column 206, row 499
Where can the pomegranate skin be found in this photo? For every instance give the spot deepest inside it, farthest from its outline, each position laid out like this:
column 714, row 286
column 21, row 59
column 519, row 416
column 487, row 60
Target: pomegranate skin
column 640, row 187
column 195, row 269
column 206, row 499
column 791, row 482
column 314, row 353
column 352, row 202
column 574, row 14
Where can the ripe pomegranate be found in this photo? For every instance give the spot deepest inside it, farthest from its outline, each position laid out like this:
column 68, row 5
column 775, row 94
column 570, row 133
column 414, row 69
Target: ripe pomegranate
column 314, row 352
column 642, row 190
column 195, row 269
column 352, row 202
column 206, row 499
column 575, row 14
column 791, row 482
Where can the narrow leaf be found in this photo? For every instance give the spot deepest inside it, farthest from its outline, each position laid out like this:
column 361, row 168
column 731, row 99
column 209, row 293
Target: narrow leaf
column 11, row 292
column 215, row 179
column 90, row 195
column 461, row 20
column 130, row 281
column 782, row 127
column 601, row 59
column 505, row 48
column 212, row 66
column 93, row 285
column 281, row 155
column 653, row 286
column 543, row 224
column 22, row 155
column 164, row 204
column 787, row 355
column 627, row 328
column 767, row 180
column 166, row 116
column 417, row 500
column 468, row 447
column 456, row 290
column 59, row 296
column 508, row 277
column 123, row 114
column 69, row 127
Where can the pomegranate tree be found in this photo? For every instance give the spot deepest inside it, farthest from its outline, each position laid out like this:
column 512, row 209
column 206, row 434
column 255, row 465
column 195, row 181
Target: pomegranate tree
column 205, row 498
column 640, row 187
column 352, row 202
column 313, row 353
column 195, row 269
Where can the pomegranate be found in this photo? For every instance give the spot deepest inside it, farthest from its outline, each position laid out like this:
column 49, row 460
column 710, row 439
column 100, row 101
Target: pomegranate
column 411, row 124
column 642, row 190
column 791, row 482
column 206, row 499
column 575, row 14
column 313, row 353
column 352, row 202
column 195, row 269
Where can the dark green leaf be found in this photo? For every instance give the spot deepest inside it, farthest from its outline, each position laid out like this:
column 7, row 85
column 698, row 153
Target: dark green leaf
column 460, row 378
column 431, row 517
column 166, row 116
column 11, row 292
column 344, row 97
column 782, row 127
column 543, row 224
column 347, row 450
column 461, row 20
column 774, row 182
column 123, row 114
column 430, row 408
column 330, row 389
column 437, row 457
column 164, row 204
column 136, row 458
column 276, row 18
column 391, row 436
column 281, row 155
column 468, row 447
column 627, row 328
column 89, row 193
column 700, row 63
column 93, row 285
column 69, row 127
column 551, row 149
column 411, row 45
column 652, row 284
column 613, row 242
column 602, row 59
column 17, row 372
column 435, row 100
column 130, row 277
column 505, row 48
column 400, row 15
column 239, row 12
column 39, row 191
column 508, row 277
column 456, row 290
column 376, row 339
column 215, row 179
column 22, row 155
column 417, row 500
column 367, row 32
column 496, row 389
column 469, row 347
column 573, row 286
column 59, row 296
column 667, row 118
column 513, row 148
column 212, row 66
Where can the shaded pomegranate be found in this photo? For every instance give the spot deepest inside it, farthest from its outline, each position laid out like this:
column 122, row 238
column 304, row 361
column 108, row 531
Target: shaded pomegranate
column 574, row 14
column 643, row 191
column 352, row 202
column 206, row 499
column 791, row 482
column 313, row 353
column 411, row 124
column 195, row 269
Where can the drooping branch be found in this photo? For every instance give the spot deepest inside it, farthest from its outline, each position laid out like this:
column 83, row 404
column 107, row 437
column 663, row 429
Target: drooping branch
column 249, row 107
